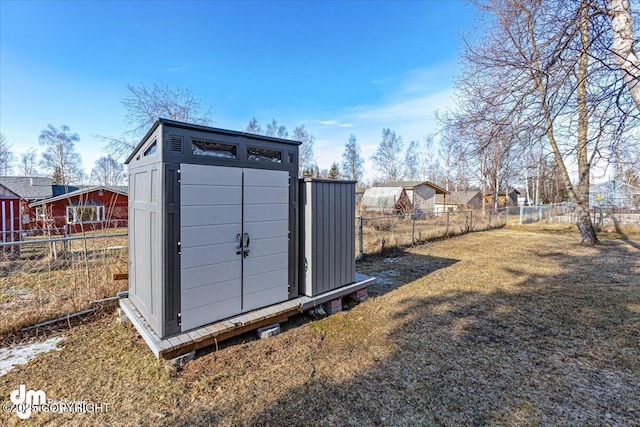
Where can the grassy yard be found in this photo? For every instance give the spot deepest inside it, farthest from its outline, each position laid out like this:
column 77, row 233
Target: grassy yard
column 517, row 326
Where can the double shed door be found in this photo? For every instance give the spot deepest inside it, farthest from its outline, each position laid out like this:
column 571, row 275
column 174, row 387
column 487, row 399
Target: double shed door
column 234, row 227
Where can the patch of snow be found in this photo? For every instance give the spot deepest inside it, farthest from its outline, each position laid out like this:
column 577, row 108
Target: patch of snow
column 21, row 354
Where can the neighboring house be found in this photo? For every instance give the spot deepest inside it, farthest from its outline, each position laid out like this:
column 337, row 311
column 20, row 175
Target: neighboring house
column 614, row 194
column 85, row 208
column 385, row 200
column 422, row 194
column 502, row 199
column 16, row 192
column 459, row 200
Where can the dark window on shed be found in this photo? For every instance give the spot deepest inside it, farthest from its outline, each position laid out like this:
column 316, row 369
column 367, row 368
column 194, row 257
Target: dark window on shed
column 264, row 155
column 200, row 147
column 291, row 157
column 151, row 150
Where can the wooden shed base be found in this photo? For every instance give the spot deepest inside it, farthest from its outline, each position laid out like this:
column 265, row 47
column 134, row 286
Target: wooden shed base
column 185, row 342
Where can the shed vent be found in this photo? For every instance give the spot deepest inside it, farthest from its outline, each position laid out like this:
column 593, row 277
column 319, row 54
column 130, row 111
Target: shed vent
column 176, row 144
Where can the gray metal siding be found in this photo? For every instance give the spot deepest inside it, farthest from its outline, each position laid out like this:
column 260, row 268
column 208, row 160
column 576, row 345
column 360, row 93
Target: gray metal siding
column 328, row 250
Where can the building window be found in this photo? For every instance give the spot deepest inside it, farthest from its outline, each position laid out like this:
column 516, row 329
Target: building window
column 151, row 150
column 264, row 155
column 84, row 214
column 200, row 147
column 41, row 213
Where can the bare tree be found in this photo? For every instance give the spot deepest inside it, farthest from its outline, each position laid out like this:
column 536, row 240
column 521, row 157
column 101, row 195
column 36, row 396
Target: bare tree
column 387, row 159
column 412, row 161
column 545, row 68
column 108, row 171
column 276, row 130
column 352, row 161
column 59, row 157
column 146, row 104
column 306, row 159
column 28, row 163
column 6, row 156
column 254, row 127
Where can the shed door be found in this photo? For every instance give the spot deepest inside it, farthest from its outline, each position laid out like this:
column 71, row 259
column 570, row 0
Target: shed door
column 266, row 222
column 210, row 220
column 218, row 278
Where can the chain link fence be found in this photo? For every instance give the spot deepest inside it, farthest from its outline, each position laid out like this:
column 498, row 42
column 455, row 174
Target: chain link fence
column 603, row 217
column 375, row 234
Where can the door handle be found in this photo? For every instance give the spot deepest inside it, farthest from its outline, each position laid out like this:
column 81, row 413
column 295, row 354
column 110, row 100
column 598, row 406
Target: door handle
column 247, row 240
column 239, row 241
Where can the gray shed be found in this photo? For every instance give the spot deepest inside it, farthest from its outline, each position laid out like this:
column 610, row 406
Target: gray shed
column 327, row 224
column 213, row 228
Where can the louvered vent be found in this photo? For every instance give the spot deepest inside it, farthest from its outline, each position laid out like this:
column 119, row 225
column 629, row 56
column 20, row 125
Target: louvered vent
column 176, row 144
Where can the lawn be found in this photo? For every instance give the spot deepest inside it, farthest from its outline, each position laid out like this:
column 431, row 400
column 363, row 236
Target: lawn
column 517, row 326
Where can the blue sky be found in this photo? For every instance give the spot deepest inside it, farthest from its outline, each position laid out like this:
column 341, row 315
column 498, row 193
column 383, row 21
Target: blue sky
column 337, row 67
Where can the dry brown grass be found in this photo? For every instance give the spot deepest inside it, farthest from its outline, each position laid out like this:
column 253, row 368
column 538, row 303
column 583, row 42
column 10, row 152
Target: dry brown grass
column 508, row 327
column 36, row 287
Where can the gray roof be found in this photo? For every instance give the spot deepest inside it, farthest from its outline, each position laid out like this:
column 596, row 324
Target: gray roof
column 458, row 197
column 381, row 197
column 28, row 187
column 615, row 186
column 120, row 189
column 410, row 185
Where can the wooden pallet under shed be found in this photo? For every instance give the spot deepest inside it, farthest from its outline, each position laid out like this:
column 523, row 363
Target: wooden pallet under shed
column 207, row 335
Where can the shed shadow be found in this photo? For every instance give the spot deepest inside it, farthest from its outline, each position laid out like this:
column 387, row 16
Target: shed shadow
column 532, row 355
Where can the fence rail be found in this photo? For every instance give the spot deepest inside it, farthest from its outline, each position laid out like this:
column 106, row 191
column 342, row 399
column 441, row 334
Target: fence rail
column 375, row 234
column 45, row 278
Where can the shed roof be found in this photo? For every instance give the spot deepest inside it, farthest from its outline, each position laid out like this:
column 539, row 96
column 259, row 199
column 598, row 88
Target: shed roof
column 381, row 197
column 410, row 185
column 28, row 187
column 458, row 197
column 176, row 124
column 118, row 189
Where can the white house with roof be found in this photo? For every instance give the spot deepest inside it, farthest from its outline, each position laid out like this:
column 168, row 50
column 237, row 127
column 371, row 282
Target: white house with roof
column 422, row 194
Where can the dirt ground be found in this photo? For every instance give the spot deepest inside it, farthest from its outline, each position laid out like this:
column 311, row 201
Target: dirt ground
column 511, row 327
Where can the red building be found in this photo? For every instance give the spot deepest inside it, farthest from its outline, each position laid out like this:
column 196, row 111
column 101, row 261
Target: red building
column 16, row 192
column 84, row 209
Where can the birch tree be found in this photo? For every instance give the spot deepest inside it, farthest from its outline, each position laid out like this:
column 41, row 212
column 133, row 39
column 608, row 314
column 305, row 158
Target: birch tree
column 388, row 160
column 623, row 47
column 545, row 68
column 59, row 156
column 28, row 163
column 306, row 160
column 352, row 161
